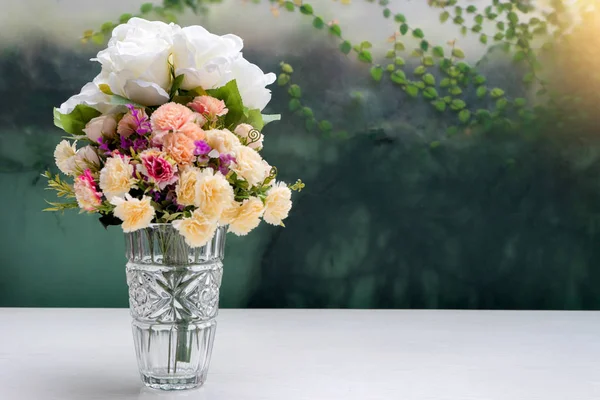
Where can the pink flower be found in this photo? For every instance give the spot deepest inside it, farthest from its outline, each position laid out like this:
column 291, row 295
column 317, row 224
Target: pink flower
column 209, row 107
column 180, row 147
column 86, row 192
column 171, row 117
column 135, row 121
column 192, row 131
column 156, row 166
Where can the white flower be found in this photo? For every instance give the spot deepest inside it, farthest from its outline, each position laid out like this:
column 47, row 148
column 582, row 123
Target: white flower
column 278, row 204
column 222, row 140
column 197, row 230
column 65, row 157
column 250, row 165
column 204, row 58
column 247, row 216
column 86, row 157
column 254, row 139
column 102, row 125
column 91, row 96
column 251, row 82
column 135, row 213
column 187, row 185
column 116, row 178
column 136, row 63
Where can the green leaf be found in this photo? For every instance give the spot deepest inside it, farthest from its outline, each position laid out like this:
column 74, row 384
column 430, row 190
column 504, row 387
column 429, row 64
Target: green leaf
column 366, row 45
column 376, row 72
column 479, row 80
column 325, row 126
column 399, row 46
column 428, row 61
column 403, row 29
column 481, row 91
column 439, row 105
column 335, row 30
column 519, row 56
column 318, row 23
column 387, row 12
column 529, row 77
column 501, row 104
column 287, row 68
column 445, row 82
column 457, row 104
column 479, row 19
column 513, row 17
column 412, row 90
column 398, row 77
column 390, row 68
column 471, row 9
column 419, row 84
column 444, row 16
column 424, row 45
column 74, row 122
column 365, row 56
column 390, row 54
column 420, row 70
column 146, row 8
column 498, row 36
column 520, row 102
column 464, row 116
column 124, row 18
column 104, row 88
column 98, row 38
column 310, row 124
column 254, row 118
column 283, row 79
column 400, row 18
column 307, row 112
column 399, row 61
column 476, row 28
column 435, row 144
column 294, row 91
column 455, row 91
column 289, row 5
column 176, row 85
column 230, row 94
column 496, row 93
column 458, row 53
column 500, row 25
column 346, row 47
column 429, row 79
column 430, row 93
column 438, row 51
column 306, row 9
column 483, row 38
column 458, row 20
column 418, row 33
column 294, row 104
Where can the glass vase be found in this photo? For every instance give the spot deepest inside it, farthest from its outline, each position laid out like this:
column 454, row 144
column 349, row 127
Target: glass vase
column 174, row 301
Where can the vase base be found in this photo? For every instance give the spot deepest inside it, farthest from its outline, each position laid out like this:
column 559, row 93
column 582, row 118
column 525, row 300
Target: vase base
column 182, row 383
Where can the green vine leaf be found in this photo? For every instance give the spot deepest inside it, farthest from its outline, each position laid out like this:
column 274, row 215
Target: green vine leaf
column 458, row 53
column 418, row 33
column 365, row 56
column 306, row 9
column 346, row 47
column 376, row 73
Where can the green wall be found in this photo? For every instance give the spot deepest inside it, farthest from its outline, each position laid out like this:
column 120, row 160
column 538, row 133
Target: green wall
column 387, row 220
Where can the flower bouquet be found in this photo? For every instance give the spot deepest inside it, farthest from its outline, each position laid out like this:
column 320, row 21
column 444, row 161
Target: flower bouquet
column 171, row 134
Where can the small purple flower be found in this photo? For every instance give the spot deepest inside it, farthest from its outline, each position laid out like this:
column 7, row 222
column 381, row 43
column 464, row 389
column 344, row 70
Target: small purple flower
column 126, row 144
column 202, row 148
column 103, row 145
column 141, row 120
column 156, row 195
column 225, row 162
column 140, row 144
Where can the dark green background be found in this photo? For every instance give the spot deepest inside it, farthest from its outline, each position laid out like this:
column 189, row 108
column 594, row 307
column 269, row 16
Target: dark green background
column 507, row 220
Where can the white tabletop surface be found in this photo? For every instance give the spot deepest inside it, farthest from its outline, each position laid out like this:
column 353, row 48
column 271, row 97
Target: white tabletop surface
column 78, row 354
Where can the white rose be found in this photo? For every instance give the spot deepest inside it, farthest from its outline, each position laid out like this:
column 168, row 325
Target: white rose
column 136, row 63
column 86, row 157
column 90, row 95
column 254, row 139
column 65, row 157
column 251, row 82
column 204, row 58
column 102, row 125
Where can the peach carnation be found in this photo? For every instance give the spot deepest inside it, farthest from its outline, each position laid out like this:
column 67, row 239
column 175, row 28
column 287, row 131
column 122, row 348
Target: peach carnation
column 169, row 117
column 193, row 131
column 135, row 213
column 247, row 216
column 278, row 204
column 197, row 230
column 180, row 147
column 209, row 107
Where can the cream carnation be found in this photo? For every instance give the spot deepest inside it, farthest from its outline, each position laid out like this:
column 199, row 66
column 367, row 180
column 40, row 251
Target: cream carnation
column 247, row 216
column 214, row 193
column 186, row 187
column 278, row 204
column 222, row 140
column 197, row 230
column 250, row 165
column 65, row 158
column 135, row 213
column 253, row 138
column 116, row 178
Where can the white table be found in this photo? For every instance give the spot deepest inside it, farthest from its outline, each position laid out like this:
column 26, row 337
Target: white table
column 78, row 354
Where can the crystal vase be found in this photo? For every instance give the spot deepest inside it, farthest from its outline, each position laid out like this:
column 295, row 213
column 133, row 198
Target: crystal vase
column 174, row 301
